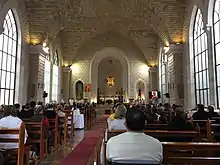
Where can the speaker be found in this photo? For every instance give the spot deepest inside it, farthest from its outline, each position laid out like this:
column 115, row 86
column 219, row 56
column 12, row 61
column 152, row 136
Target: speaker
column 167, row 95
column 45, row 94
column 159, row 94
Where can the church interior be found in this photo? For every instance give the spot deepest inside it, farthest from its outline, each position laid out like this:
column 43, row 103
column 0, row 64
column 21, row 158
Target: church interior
column 109, row 82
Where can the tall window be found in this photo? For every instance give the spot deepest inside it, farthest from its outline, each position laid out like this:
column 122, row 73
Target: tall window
column 217, row 45
column 201, row 61
column 55, row 86
column 47, row 78
column 8, row 57
column 163, row 76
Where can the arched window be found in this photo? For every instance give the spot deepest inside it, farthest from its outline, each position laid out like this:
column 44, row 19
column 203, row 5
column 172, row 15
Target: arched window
column 55, row 86
column 8, row 59
column 200, row 61
column 164, row 73
column 47, row 78
column 217, row 45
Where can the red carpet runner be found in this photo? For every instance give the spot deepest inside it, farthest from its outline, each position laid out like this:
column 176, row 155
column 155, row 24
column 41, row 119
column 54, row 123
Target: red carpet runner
column 82, row 152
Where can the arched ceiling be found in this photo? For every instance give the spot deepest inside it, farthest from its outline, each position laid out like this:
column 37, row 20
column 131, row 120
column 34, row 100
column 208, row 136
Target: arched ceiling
column 77, row 21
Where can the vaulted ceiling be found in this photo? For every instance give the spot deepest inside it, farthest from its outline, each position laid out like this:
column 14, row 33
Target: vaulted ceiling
column 143, row 22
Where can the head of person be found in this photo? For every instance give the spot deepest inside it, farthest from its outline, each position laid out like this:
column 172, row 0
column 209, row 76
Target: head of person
column 32, row 104
column 135, row 120
column 211, row 108
column 50, row 107
column 10, row 110
column 181, row 113
column 201, row 107
column 17, row 106
column 120, row 112
column 59, row 108
column 39, row 109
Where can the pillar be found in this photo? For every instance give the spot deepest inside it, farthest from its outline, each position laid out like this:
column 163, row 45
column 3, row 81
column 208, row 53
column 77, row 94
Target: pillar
column 175, row 74
column 211, row 68
column 66, row 83
column 36, row 73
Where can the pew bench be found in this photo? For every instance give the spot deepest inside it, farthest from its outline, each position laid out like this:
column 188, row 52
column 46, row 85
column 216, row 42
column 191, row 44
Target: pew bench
column 70, row 123
column 190, row 153
column 36, row 135
column 63, row 130
column 16, row 155
column 54, row 127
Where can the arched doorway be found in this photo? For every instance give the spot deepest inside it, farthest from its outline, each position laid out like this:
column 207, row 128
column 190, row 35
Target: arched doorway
column 79, row 90
column 108, row 53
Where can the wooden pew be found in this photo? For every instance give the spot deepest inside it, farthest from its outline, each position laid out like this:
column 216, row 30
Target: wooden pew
column 70, row 124
column 19, row 153
column 159, row 133
column 154, row 133
column 156, row 126
column 213, row 130
column 64, row 138
column 54, row 127
column 182, row 153
column 37, row 129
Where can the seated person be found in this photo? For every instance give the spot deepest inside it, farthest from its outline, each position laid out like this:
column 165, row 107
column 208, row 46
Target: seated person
column 112, row 116
column 28, row 112
column 134, row 146
column 212, row 112
column 10, row 121
column 118, row 122
column 180, row 122
column 38, row 117
column 50, row 112
column 201, row 114
column 59, row 111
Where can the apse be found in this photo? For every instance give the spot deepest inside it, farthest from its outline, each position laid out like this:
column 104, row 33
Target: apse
column 110, row 77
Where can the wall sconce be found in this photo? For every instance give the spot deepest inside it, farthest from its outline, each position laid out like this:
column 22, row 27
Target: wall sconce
column 166, row 49
column 45, row 48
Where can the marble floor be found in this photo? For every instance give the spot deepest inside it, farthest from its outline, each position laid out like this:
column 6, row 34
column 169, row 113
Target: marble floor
column 55, row 157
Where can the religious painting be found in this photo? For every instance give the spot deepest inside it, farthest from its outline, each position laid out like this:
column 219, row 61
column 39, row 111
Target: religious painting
column 110, row 80
column 79, row 90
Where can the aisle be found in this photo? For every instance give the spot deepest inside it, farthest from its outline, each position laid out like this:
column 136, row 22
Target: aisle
column 80, row 135
column 87, row 145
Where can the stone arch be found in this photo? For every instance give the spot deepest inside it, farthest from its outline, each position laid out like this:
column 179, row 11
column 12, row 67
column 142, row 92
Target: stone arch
column 211, row 7
column 191, row 87
column 143, row 87
column 13, row 5
column 99, row 56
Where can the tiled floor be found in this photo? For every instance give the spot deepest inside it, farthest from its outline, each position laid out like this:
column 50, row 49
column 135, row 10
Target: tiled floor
column 57, row 156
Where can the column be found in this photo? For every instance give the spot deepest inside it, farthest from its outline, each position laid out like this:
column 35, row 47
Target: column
column 153, row 78
column 211, row 67
column 175, row 74
column 66, row 83
column 36, row 74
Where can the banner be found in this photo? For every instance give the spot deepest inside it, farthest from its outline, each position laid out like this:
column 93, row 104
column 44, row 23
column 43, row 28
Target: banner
column 87, row 87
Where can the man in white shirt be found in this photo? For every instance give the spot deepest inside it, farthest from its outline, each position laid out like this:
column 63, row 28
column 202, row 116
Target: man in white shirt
column 134, row 146
column 10, row 121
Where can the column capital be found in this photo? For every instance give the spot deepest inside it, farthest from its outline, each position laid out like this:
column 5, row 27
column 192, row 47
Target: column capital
column 175, row 48
column 66, row 69
column 153, row 69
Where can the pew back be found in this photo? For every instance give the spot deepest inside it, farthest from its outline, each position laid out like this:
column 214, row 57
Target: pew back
column 190, row 153
column 19, row 140
column 159, row 134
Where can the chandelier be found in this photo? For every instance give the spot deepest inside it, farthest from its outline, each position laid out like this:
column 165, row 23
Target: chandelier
column 110, row 80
